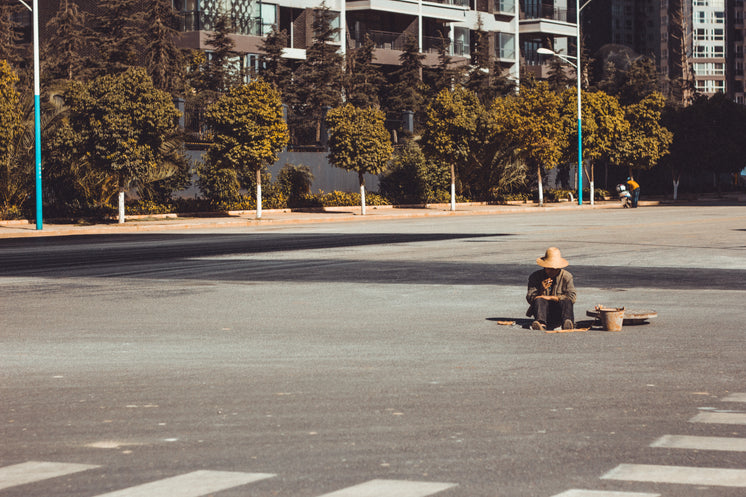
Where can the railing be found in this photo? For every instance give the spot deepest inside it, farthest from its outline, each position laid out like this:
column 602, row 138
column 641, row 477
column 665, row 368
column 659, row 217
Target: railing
column 387, row 39
column 545, row 12
column 506, row 6
column 459, row 3
column 199, row 21
column 433, row 43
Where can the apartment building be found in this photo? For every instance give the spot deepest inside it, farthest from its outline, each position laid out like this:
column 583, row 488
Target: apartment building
column 548, row 24
column 386, row 22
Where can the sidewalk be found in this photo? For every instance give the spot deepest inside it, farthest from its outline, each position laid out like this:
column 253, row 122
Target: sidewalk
column 167, row 222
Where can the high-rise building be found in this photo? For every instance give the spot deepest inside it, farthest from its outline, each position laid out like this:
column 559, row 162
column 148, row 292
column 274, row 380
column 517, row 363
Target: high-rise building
column 708, row 45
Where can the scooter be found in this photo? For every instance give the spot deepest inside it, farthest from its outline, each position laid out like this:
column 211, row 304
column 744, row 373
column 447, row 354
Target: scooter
column 624, row 195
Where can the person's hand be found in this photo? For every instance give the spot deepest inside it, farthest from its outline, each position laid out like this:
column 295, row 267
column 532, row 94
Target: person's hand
column 547, row 283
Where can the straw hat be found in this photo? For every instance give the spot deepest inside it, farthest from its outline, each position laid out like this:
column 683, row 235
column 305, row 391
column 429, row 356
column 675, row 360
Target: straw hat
column 552, row 259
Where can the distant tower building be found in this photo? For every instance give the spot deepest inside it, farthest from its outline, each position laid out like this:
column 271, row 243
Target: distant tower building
column 735, row 80
column 709, row 45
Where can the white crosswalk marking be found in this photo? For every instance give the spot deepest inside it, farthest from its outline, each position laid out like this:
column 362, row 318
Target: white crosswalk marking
column 602, row 493
column 735, row 397
column 727, row 418
column 719, row 477
column 32, row 471
column 193, row 484
column 392, row 488
column 701, row 443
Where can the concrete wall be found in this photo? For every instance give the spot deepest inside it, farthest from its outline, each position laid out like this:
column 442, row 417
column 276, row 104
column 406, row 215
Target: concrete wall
column 325, row 176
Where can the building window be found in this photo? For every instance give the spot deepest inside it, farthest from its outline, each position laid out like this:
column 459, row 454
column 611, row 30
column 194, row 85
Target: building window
column 506, row 48
column 461, row 41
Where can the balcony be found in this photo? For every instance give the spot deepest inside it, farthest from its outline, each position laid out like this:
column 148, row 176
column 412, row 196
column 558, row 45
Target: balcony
column 388, row 40
column 546, row 12
column 545, row 20
column 458, row 3
column 201, row 21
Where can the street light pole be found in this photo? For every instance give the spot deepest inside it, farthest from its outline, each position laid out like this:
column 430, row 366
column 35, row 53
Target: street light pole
column 576, row 65
column 37, row 110
column 580, row 118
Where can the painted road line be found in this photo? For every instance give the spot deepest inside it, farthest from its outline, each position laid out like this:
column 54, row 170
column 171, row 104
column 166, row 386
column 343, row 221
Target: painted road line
column 735, row 397
column 193, row 484
column 730, row 444
column 602, row 493
column 32, row 471
column 392, row 488
column 718, row 477
column 725, row 418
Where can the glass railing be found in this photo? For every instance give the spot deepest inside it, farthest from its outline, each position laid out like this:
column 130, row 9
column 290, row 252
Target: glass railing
column 387, row 39
column 459, row 3
column 546, row 12
column 507, row 6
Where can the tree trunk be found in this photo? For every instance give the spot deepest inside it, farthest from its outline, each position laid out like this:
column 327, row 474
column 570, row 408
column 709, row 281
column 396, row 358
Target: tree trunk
column 258, row 194
column 361, row 177
column 121, row 199
column 541, row 187
column 121, row 206
column 453, row 187
column 676, row 188
column 593, row 184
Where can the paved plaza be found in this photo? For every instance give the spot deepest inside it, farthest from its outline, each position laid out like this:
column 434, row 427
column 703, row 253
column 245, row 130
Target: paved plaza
column 363, row 357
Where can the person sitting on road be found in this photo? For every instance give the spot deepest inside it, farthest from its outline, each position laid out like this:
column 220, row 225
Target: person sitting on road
column 551, row 293
column 634, row 189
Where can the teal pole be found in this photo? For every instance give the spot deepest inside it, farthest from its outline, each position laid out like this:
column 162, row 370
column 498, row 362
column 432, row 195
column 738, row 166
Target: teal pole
column 580, row 119
column 37, row 115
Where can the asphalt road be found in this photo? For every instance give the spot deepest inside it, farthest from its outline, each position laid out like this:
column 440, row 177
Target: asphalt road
column 320, row 357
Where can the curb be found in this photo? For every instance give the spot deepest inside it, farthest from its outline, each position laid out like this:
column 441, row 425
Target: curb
column 236, row 219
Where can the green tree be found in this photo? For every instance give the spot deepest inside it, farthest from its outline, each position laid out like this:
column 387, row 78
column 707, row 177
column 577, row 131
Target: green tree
column 557, row 76
column 446, row 74
column 450, row 129
column 119, row 125
column 119, row 35
column 359, row 141
column 221, row 74
column 640, row 80
column 164, row 61
column 248, row 133
column 408, row 90
column 295, row 182
column 319, row 80
column 412, row 178
column 363, row 78
column 64, row 49
column 9, row 33
column 646, row 140
column 707, row 137
column 275, row 69
column 604, row 126
column 533, row 124
column 12, row 186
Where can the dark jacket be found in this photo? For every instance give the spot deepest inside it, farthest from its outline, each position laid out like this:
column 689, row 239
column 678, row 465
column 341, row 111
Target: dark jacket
column 563, row 287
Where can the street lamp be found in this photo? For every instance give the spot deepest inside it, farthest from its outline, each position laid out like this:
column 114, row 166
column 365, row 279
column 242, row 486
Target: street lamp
column 37, row 109
column 569, row 59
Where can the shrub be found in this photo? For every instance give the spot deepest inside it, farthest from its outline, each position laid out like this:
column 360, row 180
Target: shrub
column 295, row 183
